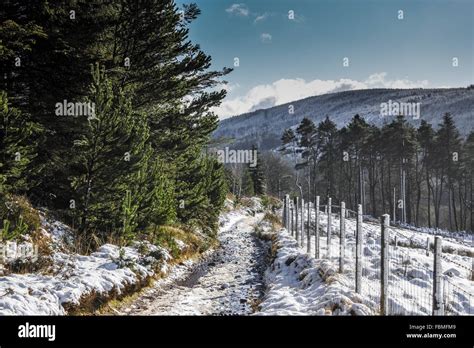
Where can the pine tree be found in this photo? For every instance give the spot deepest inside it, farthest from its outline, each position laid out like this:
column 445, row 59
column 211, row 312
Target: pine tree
column 354, row 140
column 144, row 146
column 426, row 141
column 327, row 142
column 399, row 148
column 288, row 136
column 257, row 175
column 55, row 45
column 469, row 184
column 308, row 141
column 448, row 148
column 307, row 131
column 191, row 188
column 154, row 191
column 129, row 209
column 216, row 189
column 108, row 154
column 172, row 83
column 18, row 147
column 248, row 187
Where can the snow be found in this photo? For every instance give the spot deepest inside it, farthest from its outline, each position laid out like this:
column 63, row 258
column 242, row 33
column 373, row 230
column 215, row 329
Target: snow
column 219, row 283
column 75, row 276
column 60, row 234
column 265, row 127
column 410, row 283
column 235, row 278
column 225, row 281
column 298, row 284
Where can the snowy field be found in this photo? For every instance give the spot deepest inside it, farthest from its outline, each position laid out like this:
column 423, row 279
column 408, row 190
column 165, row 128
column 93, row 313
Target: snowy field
column 411, row 267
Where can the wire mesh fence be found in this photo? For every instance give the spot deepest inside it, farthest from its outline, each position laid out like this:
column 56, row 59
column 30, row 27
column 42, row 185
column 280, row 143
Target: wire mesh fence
column 394, row 273
column 410, row 281
column 456, row 300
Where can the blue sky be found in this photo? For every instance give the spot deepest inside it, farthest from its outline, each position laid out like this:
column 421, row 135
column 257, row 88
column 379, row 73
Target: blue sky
column 284, row 59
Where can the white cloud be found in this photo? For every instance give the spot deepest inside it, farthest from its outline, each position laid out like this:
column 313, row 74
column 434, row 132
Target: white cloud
column 287, row 90
column 266, row 37
column 238, row 10
column 261, row 17
column 242, row 10
column 379, row 80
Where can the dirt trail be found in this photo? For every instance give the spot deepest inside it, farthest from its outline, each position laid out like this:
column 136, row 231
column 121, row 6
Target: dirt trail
column 227, row 282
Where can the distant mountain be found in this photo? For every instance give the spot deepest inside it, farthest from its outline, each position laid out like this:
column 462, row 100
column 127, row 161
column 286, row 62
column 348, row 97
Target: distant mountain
column 264, row 127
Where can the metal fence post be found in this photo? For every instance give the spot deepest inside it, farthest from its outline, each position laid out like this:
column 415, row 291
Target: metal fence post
column 283, row 217
column 316, row 228
column 384, row 264
column 302, row 222
column 359, row 235
column 438, row 306
column 329, row 229
column 342, row 236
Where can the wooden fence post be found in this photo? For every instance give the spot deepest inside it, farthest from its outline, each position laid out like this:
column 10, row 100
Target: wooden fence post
column 288, row 204
column 287, row 198
column 284, row 217
column 308, row 230
column 297, row 230
column 384, row 264
column 427, row 246
column 291, row 220
column 359, row 235
column 342, row 236
column 438, row 306
column 316, row 228
column 329, row 229
column 302, row 222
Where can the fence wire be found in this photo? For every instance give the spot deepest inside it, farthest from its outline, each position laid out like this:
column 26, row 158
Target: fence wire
column 456, row 301
column 410, row 280
column 410, row 263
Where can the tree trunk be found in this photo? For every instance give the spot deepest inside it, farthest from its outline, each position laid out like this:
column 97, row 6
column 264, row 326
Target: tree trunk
column 449, row 208
column 453, row 198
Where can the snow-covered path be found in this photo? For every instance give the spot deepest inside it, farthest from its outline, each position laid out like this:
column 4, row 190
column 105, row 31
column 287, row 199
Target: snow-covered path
column 226, row 282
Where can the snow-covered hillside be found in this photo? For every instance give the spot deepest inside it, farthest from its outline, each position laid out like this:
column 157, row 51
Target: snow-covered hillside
column 265, row 127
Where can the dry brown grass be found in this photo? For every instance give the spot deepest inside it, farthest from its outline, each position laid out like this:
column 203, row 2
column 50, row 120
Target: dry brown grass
column 274, row 220
column 15, row 208
column 94, row 301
